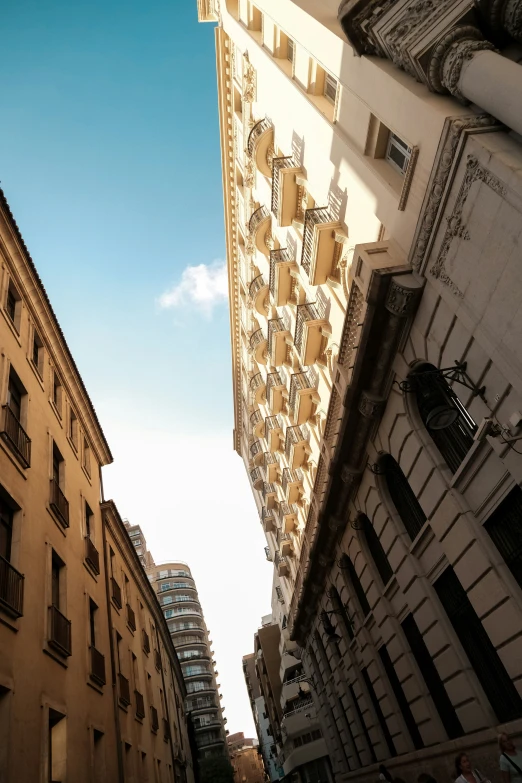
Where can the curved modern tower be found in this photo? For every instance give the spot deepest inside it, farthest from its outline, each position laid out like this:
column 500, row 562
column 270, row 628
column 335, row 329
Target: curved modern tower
column 178, row 597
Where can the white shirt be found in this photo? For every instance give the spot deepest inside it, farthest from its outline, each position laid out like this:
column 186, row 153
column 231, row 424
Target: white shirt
column 505, row 766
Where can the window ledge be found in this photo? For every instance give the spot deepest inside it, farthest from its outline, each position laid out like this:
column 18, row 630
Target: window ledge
column 36, row 371
column 87, row 475
column 73, row 446
column 54, row 655
column 422, row 539
column 57, row 521
column 56, row 412
column 12, row 327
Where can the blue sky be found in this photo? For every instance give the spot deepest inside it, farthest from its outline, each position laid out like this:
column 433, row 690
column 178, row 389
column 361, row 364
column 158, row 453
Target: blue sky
column 109, row 149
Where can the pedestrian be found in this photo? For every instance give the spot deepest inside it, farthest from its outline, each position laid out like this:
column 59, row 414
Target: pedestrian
column 384, row 775
column 510, row 760
column 465, row 773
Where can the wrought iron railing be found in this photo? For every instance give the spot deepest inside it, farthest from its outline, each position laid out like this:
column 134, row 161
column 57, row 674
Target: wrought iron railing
column 145, row 641
column 270, row 459
column 16, row 437
column 256, row 418
column 269, row 488
column 131, row 618
column 275, row 326
column 267, row 513
column 305, row 312
column 272, row 423
column 154, row 721
column 140, row 705
column 259, row 129
column 256, row 382
column 313, row 217
column 300, row 381
column 294, row 435
column 256, row 475
column 92, row 555
column 256, row 448
column 275, row 380
column 157, row 660
column 256, row 285
column 124, row 689
column 259, row 216
column 59, row 503
column 256, row 338
column 97, row 666
column 59, row 631
column 166, row 729
column 11, row 588
column 291, row 477
column 116, row 592
column 277, row 257
column 268, row 553
column 277, row 165
column 288, row 509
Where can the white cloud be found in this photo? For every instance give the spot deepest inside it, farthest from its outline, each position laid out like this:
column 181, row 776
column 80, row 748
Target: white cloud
column 202, row 286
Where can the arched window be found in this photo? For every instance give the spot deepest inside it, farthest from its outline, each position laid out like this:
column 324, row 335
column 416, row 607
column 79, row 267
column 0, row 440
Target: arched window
column 348, row 566
column 504, row 527
column 375, row 547
column 402, row 496
column 450, row 426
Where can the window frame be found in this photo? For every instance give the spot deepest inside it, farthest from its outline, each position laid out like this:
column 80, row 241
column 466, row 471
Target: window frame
column 330, row 81
column 395, row 142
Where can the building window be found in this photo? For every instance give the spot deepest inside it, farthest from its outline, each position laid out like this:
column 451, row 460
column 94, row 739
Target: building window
column 375, row 548
column 73, row 428
column 485, row 661
column 330, row 88
column 56, row 746
column 349, row 569
column 37, row 354
column 400, row 697
column 402, row 496
column 57, row 393
column 504, row 526
column 432, row 678
column 448, row 422
column 362, row 724
column 86, row 457
column 89, row 522
column 15, row 412
column 58, row 502
column 11, row 581
column 398, row 153
column 378, row 712
column 13, row 305
column 290, row 50
column 341, row 610
column 59, row 625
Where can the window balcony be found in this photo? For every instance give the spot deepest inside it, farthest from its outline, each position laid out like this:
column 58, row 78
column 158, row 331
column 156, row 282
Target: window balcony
column 140, row 705
column 273, row 433
column 131, row 618
column 284, row 190
column 319, row 244
column 257, row 423
column 297, row 446
column 282, row 565
column 257, row 478
column 258, row 346
column 269, row 494
column 258, row 293
column 116, row 592
column 303, row 398
column 276, row 392
column 284, row 273
column 257, row 453
column 268, row 554
column 11, row 588
column 311, row 334
column 97, row 672
column 16, row 437
column 166, row 730
column 124, row 690
column 154, row 721
column 157, row 660
column 258, row 388
column 288, row 515
column 268, row 520
column 92, row 556
column 59, row 503
column 59, row 631
column 292, row 484
column 286, row 544
column 258, row 225
column 145, row 641
column 272, row 469
column 279, row 340
column 260, row 140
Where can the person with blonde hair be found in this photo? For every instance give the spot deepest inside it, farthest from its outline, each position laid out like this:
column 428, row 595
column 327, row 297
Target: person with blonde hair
column 510, row 760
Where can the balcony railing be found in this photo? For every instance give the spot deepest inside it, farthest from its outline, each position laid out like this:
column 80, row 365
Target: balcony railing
column 259, row 129
column 257, row 284
column 289, row 509
column 116, row 592
column 59, row 503
column 166, row 729
column 276, row 326
column 256, row 448
column 140, row 705
column 291, row 477
column 59, row 631
column 256, row 338
column 11, row 588
column 305, row 312
column 294, row 436
column 277, row 257
column 313, row 217
column 267, row 513
column 124, row 689
column 300, row 381
column 269, row 488
column 257, row 477
column 16, row 437
column 157, row 660
column 272, row 423
column 145, row 641
column 268, row 553
column 256, row 418
column 131, row 618
column 277, row 165
column 258, row 217
column 92, row 555
column 97, row 666
column 270, row 459
column 154, row 722
column 256, row 382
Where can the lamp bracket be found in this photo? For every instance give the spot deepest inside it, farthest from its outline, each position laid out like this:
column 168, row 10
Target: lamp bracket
column 457, row 374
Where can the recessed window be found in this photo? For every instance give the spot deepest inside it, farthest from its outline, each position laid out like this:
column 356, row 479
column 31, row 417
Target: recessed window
column 290, row 50
column 330, row 87
column 89, row 521
column 13, row 305
column 86, row 457
column 73, row 429
column 398, row 153
column 57, row 392
column 37, row 353
column 15, row 414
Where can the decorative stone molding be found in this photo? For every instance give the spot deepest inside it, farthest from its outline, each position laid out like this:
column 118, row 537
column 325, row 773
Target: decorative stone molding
column 449, row 55
column 249, row 172
column 402, row 296
column 455, row 129
column 335, row 524
column 502, row 17
column 349, row 475
column 370, row 405
column 513, row 19
column 249, row 80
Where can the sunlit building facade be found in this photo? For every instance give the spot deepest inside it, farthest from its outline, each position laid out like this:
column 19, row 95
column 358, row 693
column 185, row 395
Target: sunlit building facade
column 372, row 174
column 178, row 598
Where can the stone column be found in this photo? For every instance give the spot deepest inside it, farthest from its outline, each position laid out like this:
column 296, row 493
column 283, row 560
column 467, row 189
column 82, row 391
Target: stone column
column 464, row 64
column 502, row 16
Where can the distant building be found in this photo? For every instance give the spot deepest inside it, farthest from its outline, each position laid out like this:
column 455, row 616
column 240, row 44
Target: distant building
column 246, row 759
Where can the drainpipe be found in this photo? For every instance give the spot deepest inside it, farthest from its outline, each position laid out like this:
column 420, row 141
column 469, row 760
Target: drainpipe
column 121, row 778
